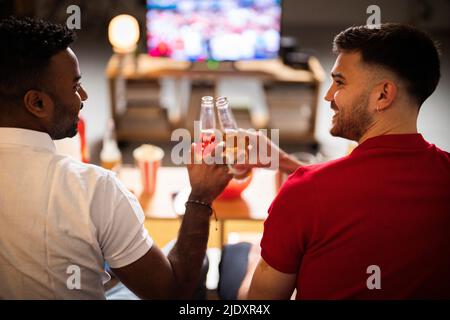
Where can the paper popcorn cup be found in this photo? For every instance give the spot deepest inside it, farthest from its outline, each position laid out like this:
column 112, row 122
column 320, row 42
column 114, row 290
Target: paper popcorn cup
column 148, row 159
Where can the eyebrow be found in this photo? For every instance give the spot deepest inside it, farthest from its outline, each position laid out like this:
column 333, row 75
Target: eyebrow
column 337, row 75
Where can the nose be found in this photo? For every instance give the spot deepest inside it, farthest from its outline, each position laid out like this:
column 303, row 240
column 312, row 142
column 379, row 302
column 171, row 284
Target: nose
column 329, row 96
column 83, row 94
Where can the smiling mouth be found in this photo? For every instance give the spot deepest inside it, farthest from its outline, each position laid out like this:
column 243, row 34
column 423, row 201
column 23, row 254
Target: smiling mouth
column 335, row 115
column 334, row 107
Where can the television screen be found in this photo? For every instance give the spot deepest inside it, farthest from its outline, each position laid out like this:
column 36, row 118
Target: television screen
column 221, row 30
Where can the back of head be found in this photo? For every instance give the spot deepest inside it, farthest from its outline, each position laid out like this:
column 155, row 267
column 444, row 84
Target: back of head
column 27, row 46
column 404, row 50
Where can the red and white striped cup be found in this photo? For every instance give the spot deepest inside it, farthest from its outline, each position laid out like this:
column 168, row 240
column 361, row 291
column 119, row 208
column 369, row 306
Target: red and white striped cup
column 148, row 160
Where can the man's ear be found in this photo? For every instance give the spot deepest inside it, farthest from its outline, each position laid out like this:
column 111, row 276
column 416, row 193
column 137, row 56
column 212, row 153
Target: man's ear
column 38, row 103
column 386, row 93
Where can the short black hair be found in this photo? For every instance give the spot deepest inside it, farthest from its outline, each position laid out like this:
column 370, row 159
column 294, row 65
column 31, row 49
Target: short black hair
column 408, row 52
column 27, row 46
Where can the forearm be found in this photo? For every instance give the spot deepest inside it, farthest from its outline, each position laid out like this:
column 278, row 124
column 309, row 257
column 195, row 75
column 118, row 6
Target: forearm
column 245, row 286
column 288, row 164
column 270, row 284
column 186, row 258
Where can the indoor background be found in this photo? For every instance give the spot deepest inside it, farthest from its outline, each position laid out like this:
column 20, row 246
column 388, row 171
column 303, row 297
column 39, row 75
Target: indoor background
column 312, row 23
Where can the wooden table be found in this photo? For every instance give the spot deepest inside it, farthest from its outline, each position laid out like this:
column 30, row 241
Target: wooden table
column 163, row 222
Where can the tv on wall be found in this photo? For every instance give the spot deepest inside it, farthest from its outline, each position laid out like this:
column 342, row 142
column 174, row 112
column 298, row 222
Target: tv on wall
column 220, row 30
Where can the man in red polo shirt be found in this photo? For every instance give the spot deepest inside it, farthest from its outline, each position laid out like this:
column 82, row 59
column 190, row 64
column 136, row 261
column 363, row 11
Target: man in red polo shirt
column 374, row 224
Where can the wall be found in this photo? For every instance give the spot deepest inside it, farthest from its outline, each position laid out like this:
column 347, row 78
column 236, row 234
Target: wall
column 432, row 14
column 313, row 23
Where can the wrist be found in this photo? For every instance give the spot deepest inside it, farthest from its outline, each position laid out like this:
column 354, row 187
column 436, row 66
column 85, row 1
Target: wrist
column 199, row 196
column 198, row 203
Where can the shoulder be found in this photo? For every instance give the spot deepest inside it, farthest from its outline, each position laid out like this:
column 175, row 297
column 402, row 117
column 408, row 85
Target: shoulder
column 74, row 175
column 298, row 204
column 442, row 153
column 441, row 160
column 72, row 166
column 98, row 190
column 307, row 178
column 307, row 185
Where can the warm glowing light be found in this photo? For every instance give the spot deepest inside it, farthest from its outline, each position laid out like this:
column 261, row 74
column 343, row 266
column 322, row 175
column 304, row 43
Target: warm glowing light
column 123, row 33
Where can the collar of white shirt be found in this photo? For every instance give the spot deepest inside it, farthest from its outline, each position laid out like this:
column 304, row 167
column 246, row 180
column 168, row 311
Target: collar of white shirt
column 25, row 137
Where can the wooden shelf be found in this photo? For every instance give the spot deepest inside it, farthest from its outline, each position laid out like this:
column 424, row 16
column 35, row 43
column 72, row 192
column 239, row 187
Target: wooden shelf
column 140, row 123
column 146, row 67
column 291, row 95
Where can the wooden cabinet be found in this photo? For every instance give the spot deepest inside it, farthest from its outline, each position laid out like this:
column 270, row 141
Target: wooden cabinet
column 150, row 97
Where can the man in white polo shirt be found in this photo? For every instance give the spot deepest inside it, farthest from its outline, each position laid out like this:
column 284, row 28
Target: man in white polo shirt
column 60, row 217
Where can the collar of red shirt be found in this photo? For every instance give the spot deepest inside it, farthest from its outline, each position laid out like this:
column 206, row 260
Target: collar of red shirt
column 396, row 141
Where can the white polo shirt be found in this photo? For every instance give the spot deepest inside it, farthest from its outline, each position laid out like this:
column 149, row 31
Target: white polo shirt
column 60, row 220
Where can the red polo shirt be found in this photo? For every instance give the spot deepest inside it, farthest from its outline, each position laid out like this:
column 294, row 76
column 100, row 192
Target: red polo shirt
column 387, row 204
